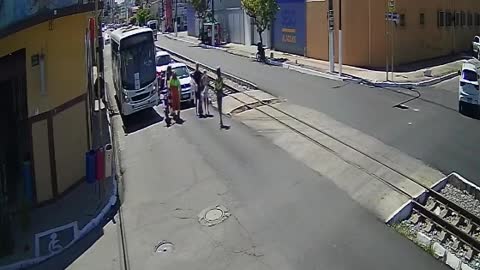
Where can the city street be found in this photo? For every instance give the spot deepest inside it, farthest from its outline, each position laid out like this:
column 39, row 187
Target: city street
column 432, row 130
column 282, row 214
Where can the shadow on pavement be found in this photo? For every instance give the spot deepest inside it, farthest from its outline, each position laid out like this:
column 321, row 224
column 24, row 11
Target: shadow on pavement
column 141, row 120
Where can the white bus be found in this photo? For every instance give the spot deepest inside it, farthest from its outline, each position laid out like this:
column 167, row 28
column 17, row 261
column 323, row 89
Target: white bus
column 133, row 68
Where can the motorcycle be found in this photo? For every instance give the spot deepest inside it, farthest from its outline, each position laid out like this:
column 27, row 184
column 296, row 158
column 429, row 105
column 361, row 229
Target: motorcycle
column 260, row 55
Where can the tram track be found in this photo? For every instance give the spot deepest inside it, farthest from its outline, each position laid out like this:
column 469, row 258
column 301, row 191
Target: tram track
column 449, row 220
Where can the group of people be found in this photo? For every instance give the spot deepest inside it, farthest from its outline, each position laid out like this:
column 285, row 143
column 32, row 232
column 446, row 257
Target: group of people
column 200, row 85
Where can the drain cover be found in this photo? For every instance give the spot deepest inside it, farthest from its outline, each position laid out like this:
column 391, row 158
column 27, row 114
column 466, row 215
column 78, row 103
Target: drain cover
column 164, row 247
column 213, row 215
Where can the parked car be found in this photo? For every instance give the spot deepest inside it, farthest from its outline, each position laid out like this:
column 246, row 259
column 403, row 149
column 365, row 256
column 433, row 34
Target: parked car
column 162, row 60
column 106, row 39
column 468, row 90
column 476, row 46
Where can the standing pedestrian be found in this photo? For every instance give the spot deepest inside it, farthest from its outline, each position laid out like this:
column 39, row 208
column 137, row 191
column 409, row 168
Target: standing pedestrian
column 206, row 101
column 174, row 87
column 219, row 94
column 166, row 86
column 197, row 78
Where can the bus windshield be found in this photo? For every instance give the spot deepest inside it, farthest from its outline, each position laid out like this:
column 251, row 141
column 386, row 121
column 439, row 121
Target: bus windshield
column 138, row 62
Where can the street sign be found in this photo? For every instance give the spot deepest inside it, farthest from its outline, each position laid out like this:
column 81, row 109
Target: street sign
column 331, row 20
column 394, row 17
column 391, row 6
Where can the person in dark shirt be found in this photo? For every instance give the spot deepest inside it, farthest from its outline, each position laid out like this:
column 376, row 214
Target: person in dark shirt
column 197, row 77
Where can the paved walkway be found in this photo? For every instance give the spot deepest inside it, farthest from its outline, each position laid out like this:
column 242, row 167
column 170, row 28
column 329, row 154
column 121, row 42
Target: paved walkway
column 415, row 76
column 84, row 207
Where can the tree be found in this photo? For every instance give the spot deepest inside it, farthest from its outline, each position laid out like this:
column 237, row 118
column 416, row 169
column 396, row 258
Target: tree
column 201, row 7
column 262, row 12
column 143, row 15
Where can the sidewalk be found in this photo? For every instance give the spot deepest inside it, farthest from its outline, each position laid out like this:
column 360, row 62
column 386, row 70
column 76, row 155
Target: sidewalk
column 65, row 221
column 424, row 76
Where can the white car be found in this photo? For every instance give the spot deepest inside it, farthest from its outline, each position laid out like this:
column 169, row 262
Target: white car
column 468, row 89
column 187, row 93
column 162, row 60
column 106, row 39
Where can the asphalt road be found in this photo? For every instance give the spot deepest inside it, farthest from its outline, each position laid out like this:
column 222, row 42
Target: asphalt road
column 283, row 214
column 431, row 130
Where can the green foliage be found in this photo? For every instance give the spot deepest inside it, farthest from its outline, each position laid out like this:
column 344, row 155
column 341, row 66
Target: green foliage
column 263, row 13
column 201, row 7
column 143, row 15
column 403, row 230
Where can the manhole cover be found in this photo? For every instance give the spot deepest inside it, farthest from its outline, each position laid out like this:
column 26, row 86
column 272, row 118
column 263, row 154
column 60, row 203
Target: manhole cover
column 164, row 247
column 213, row 215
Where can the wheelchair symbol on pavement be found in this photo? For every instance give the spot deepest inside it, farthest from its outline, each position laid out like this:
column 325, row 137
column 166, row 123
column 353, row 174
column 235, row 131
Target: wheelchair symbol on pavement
column 53, row 241
column 53, row 245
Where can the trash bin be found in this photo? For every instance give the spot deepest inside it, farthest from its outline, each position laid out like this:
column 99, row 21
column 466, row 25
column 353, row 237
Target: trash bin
column 90, row 174
column 100, row 164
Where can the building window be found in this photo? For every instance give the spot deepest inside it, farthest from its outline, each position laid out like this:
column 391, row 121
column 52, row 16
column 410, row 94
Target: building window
column 477, row 19
column 456, row 19
column 402, row 19
column 440, row 18
column 469, row 19
column 422, row 18
column 448, row 19
column 462, row 18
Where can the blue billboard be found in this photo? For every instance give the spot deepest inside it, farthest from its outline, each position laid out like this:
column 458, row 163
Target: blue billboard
column 289, row 28
column 17, row 11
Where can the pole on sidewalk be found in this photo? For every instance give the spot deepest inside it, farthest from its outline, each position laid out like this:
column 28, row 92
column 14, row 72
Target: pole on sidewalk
column 213, row 22
column 97, row 62
column 176, row 18
column 340, row 42
column 394, row 25
column 386, row 43
column 331, row 56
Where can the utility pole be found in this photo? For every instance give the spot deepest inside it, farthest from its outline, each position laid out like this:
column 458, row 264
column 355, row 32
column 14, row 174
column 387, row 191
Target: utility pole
column 97, row 62
column 331, row 24
column 340, row 44
column 213, row 22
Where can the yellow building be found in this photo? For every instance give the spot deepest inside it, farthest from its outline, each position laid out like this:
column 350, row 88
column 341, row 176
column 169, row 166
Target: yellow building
column 426, row 29
column 43, row 82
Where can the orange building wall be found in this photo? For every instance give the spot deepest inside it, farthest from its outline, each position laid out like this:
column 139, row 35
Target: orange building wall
column 365, row 42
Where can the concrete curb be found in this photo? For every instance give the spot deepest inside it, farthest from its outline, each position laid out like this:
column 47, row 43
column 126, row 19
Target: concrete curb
column 424, row 83
column 332, row 76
